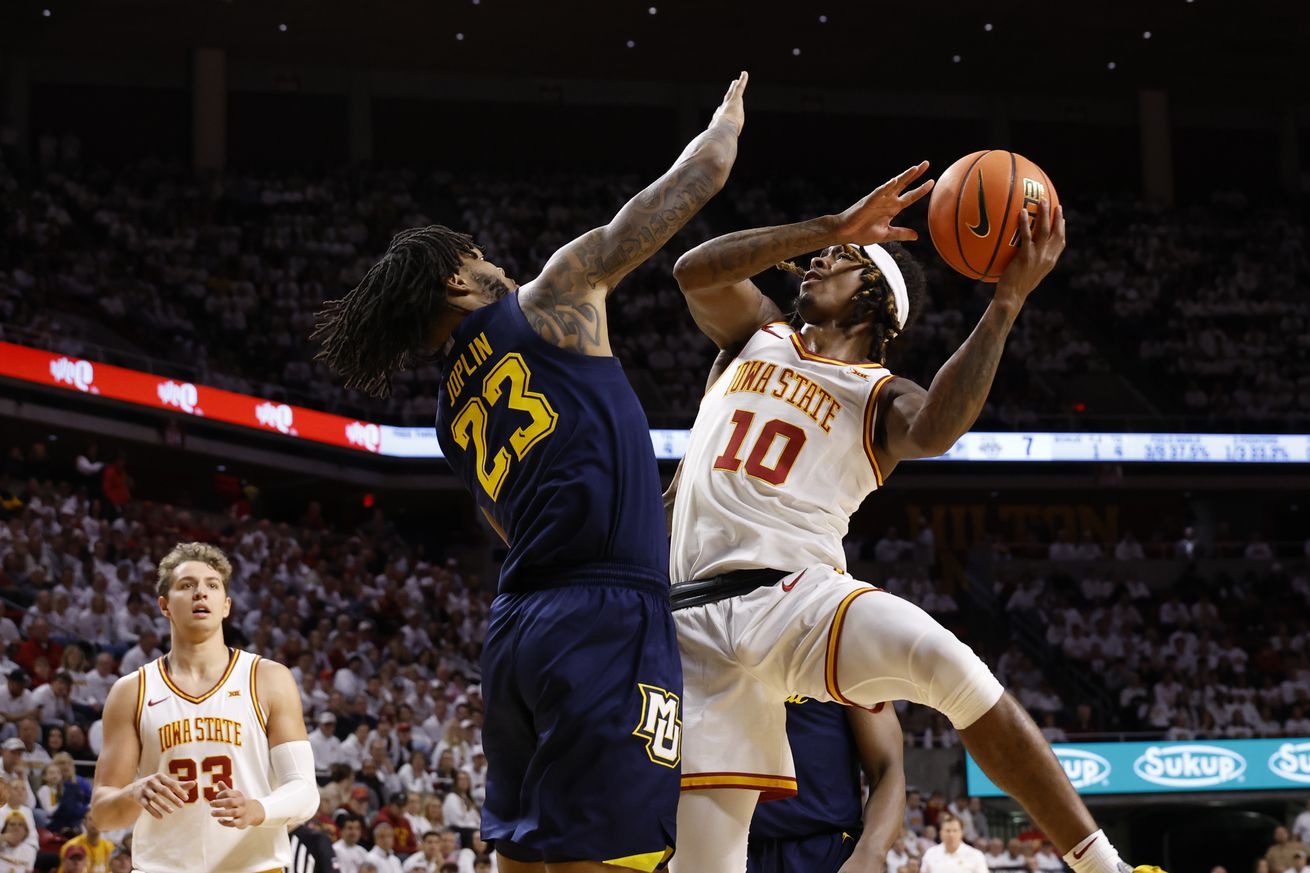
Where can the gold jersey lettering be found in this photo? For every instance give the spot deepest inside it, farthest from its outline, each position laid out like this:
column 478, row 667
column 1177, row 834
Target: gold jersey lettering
column 794, row 389
column 473, row 356
column 833, row 408
column 782, row 382
column 745, row 376
column 762, row 381
column 174, row 733
column 217, row 730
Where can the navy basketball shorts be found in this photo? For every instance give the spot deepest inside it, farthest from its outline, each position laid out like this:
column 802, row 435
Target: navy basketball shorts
column 583, row 731
column 821, row 853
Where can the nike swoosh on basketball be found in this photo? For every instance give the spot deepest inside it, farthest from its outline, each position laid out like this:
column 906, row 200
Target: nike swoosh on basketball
column 786, row 587
column 160, row 700
column 984, row 225
column 1077, row 856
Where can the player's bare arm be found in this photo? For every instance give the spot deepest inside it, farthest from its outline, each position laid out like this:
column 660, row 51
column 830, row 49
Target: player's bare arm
column 716, row 276
column 566, row 303
column 119, row 795
column 921, row 424
column 286, row 726
column 882, row 757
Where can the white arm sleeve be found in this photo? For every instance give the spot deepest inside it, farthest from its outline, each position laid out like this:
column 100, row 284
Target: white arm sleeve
column 295, row 799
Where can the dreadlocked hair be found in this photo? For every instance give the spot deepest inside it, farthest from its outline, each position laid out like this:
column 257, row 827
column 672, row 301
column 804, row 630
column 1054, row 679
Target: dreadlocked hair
column 875, row 304
column 382, row 325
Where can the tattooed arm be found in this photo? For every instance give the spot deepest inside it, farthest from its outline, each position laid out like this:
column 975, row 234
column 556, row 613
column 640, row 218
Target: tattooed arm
column 566, row 303
column 922, row 424
column 716, row 276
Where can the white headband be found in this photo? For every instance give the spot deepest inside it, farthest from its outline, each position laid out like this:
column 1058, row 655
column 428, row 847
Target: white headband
column 887, row 264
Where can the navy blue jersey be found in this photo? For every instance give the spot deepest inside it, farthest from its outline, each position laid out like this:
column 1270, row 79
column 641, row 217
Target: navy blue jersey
column 827, row 777
column 555, row 445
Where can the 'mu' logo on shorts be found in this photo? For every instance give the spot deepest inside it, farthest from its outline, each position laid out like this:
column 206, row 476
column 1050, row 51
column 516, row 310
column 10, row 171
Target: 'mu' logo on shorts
column 660, row 725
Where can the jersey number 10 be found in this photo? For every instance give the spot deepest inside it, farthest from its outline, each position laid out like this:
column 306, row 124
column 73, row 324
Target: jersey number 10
column 730, row 460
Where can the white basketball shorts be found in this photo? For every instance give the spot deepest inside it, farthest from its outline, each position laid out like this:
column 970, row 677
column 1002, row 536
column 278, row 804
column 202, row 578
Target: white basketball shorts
column 818, row 633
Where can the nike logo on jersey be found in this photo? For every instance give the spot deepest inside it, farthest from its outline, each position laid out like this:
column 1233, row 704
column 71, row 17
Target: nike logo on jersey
column 787, row 587
column 983, row 227
column 160, row 700
column 1077, row 855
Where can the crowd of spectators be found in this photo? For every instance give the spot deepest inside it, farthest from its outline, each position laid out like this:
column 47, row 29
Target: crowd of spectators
column 1225, row 657
column 217, row 282
column 1216, row 308
column 926, row 815
column 384, row 641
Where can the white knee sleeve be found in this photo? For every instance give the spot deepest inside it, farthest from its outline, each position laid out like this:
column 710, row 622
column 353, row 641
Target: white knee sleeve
column 712, row 830
column 890, row 649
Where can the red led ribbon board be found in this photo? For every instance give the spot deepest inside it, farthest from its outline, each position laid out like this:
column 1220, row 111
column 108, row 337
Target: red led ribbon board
column 82, row 376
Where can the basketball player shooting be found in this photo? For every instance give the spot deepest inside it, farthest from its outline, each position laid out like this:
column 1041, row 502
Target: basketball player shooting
column 208, row 741
column 799, row 426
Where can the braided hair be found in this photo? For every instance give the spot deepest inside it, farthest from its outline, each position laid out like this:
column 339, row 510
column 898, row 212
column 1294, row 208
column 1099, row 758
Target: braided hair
column 875, row 303
column 382, row 326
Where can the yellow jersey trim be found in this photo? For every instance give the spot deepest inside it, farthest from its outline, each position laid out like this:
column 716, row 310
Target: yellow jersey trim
column 834, row 641
column 771, row 787
column 140, row 699
column 231, row 665
column 870, row 411
column 647, row 862
column 808, row 355
column 254, row 695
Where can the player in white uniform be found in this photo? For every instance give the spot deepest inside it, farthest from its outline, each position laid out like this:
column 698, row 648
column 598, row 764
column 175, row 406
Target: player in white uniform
column 210, row 741
column 797, row 428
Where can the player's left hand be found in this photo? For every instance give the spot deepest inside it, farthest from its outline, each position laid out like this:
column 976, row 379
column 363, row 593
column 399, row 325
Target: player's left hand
column 870, row 220
column 234, row 810
column 1041, row 243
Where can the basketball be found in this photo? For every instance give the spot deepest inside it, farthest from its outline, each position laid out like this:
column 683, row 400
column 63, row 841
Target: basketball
column 974, row 206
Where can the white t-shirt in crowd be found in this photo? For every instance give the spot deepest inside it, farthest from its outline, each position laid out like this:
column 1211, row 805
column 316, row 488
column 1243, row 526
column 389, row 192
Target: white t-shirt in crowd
column 965, row 859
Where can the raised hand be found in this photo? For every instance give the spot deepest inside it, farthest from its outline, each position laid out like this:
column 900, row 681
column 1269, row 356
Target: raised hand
column 870, row 220
column 733, row 109
column 1039, row 250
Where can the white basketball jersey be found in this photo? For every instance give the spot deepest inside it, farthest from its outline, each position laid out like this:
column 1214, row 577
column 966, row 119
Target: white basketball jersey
column 780, row 457
column 218, row 737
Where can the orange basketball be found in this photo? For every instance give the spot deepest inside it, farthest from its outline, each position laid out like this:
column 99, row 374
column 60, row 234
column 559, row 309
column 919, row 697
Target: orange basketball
column 973, row 213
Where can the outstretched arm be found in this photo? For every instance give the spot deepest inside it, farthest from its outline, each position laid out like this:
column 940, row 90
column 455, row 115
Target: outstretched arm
column 566, row 303
column 716, row 275
column 924, row 424
column 882, row 757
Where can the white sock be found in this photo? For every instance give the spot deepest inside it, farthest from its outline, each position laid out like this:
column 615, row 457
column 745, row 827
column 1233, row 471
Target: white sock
column 1094, row 854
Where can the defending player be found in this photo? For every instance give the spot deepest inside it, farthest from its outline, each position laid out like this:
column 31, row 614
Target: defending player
column 801, row 426
column 209, row 741
column 580, row 668
column 824, row 829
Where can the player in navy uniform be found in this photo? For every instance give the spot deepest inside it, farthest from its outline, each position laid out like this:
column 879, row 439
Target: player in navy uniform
column 824, row 826
column 581, row 671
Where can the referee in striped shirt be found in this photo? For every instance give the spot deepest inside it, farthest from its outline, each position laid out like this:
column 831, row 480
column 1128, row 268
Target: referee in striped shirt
column 311, row 851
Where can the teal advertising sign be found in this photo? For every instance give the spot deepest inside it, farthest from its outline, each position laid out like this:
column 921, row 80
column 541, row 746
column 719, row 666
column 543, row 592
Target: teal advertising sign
column 1158, row 768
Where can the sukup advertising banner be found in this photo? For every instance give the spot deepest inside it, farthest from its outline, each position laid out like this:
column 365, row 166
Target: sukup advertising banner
column 1162, row 767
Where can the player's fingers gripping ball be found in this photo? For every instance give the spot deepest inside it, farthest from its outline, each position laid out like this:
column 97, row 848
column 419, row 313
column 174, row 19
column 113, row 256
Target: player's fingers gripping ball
column 973, row 215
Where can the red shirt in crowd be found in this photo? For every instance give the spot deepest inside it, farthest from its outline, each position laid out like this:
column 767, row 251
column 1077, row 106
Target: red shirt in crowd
column 29, row 650
column 114, row 485
column 406, row 841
